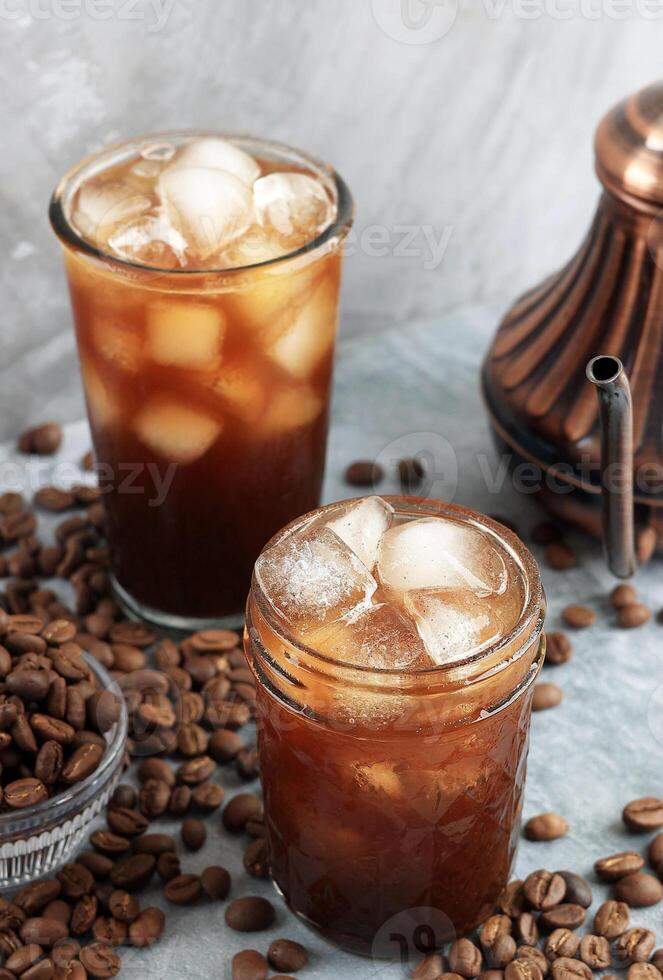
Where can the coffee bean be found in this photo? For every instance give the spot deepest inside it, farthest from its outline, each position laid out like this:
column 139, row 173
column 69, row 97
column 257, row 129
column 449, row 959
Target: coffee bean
column 535, row 956
column 643, row 971
column 411, row 473
column 256, row 860
column 215, row 882
column 578, row 890
column 98, row 865
column 623, row 595
column 612, row 919
column 646, row 542
column 239, row 809
column 208, row 797
column 250, row 914
column 21, row 959
column 546, row 826
column 565, row 916
column 37, row 895
column 153, row 768
column 561, row 943
column 657, row 959
column 635, row 945
column 430, row 968
column 364, row 473
column 522, row 969
column 132, row 873
column 618, row 865
column 633, row 616
column 25, row 792
column 43, row 970
column 546, row 695
column 29, row 685
column 558, row 648
column 76, row 880
column 560, row 557
column 249, row 964
column 83, row 915
column 153, row 798
column 502, row 952
column 527, row 930
column 195, row 771
column 123, row 906
column 639, row 890
column 183, row 890
column 247, row 763
column 153, row 844
column 133, row 633
column 287, row 956
column 109, row 843
column 148, row 927
column 42, row 931
column 100, row 961
column 543, row 889
column 566, row 968
column 465, row 958
column 126, row 822
column 180, row 800
column 578, row 617
column 224, row 745
column 595, row 952
column 168, row 866
column 644, row 814
column 41, row 440
column 512, row 901
column 193, row 833
column 492, row 929
column 64, row 951
column 123, row 796
column 82, row 763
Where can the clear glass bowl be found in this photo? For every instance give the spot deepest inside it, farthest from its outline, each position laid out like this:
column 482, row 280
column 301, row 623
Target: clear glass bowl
column 37, row 840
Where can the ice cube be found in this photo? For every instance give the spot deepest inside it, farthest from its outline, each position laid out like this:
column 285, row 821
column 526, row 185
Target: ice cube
column 288, row 409
column 151, row 240
column 217, row 154
column 185, row 335
column 452, row 625
column 100, row 206
column 101, row 407
column 179, row 433
column 158, row 152
column 361, row 525
column 379, row 637
column 117, row 340
column 251, row 249
column 295, row 206
column 241, row 390
column 309, row 336
column 434, row 553
column 209, row 207
column 269, row 302
column 311, row 578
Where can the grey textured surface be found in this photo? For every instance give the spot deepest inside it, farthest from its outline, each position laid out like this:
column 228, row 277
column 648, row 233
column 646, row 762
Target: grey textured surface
column 466, row 123
column 602, row 747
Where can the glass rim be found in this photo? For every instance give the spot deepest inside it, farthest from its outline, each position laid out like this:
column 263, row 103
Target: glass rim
column 49, row 811
column 335, row 232
column 427, row 507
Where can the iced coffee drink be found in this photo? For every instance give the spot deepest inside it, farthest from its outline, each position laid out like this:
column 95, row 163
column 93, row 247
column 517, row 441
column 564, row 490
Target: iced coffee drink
column 204, row 277
column 395, row 643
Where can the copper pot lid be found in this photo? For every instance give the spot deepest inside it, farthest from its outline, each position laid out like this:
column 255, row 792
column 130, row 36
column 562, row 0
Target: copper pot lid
column 629, row 146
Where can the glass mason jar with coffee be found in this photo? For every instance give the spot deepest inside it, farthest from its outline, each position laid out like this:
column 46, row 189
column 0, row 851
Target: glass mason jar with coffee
column 204, row 276
column 395, row 642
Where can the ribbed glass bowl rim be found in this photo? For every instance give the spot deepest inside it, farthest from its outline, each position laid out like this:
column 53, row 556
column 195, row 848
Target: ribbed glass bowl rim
column 59, row 808
column 94, row 163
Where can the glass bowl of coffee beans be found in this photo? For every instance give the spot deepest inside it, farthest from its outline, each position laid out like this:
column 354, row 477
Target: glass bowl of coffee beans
column 63, row 734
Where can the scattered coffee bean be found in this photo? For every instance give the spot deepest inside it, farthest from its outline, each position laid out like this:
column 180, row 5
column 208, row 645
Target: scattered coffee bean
column 644, row 814
column 363, row 473
column 430, row 968
column 185, row 889
column 522, row 969
column 193, row 833
column 546, row 826
column 147, row 927
column 635, row 945
column 623, row 595
column 578, row 617
column 558, row 648
column 492, row 929
column 256, row 859
column 249, row 964
column 215, row 882
column 465, row 958
column 560, row 557
column 632, row 616
column 546, row 695
column 643, row 971
column 242, row 807
column 639, row 890
column 612, row 919
column 287, row 956
column 42, row 440
column 564, row 916
column 646, row 542
column 595, row 952
column 618, row 865
column 411, row 474
column 527, row 930
column 250, row 914
column 512, row 901
column 578, row 890
column 100, row 961
column 566, row 968
column 561, row 943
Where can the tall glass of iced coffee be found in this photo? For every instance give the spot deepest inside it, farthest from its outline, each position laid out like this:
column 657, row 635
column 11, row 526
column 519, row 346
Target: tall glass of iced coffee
column 204, row 276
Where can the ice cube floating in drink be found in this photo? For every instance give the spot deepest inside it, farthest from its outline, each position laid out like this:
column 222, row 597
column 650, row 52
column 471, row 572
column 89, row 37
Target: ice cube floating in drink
column 204, row 276
column 395, row 642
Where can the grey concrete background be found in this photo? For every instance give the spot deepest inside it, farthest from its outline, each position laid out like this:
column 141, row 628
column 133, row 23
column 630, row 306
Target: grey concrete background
column 463, row 126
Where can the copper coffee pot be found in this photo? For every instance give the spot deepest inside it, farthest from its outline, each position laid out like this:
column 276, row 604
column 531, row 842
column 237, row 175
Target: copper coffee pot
column 607, row 301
